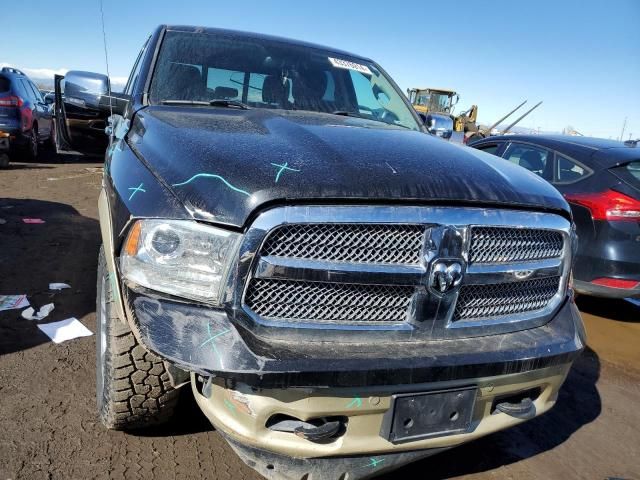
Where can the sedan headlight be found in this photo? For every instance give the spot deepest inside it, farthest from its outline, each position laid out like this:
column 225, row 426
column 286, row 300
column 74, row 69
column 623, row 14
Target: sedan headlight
column 178, row 257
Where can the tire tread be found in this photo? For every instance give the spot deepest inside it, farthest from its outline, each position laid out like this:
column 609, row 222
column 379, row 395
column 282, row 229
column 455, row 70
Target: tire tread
column 135, row 393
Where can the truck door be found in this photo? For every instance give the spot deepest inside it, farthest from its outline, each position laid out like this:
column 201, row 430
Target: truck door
column 81, row 112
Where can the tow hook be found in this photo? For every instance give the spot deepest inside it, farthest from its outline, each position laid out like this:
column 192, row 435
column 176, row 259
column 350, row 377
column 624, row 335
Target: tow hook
column 323, row 429
column 524, row 410
column 310, row 432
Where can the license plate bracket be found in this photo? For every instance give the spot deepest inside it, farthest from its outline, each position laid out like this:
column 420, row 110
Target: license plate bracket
column 416, row 416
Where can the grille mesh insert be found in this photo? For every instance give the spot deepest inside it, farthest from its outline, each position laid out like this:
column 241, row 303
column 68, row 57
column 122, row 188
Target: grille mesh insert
column 328, row 302
column 504, row 245
column 356, row 243
column 493, row 300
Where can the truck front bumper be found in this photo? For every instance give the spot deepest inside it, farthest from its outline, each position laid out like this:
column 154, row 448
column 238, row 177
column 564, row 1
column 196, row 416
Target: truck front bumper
column 206, row 341
column 243, row 414
column 243, row 385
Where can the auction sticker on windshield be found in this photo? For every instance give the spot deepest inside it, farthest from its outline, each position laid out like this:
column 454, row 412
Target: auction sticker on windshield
column 337, row 62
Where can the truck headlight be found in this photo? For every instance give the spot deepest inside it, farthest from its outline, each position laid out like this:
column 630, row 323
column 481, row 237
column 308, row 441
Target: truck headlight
column 179, row 257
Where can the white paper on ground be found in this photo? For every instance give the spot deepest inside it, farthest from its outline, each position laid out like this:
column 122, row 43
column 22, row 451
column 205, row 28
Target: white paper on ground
column 42, row 313
column 65, row 330
column 9, row 302
column 58, row 286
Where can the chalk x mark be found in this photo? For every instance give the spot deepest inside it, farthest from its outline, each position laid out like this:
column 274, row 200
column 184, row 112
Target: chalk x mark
column 282, row 168
column 374, row 462
column 136, row 190
column 211, row 175
column 211, row 341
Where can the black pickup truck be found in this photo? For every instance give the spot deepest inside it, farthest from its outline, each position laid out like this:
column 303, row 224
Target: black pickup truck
column 344, row 292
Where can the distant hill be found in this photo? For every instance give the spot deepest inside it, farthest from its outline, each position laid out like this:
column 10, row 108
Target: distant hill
column 43, row 77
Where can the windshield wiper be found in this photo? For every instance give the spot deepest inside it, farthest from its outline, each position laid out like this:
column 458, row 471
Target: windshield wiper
column 214, row 103
column 185, row 102
column 346, row 113
column 229, row 103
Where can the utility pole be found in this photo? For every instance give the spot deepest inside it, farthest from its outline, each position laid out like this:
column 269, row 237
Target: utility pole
column 624, row 125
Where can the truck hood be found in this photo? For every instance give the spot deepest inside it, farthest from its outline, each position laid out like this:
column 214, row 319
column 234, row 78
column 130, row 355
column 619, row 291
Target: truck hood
column 224, row 164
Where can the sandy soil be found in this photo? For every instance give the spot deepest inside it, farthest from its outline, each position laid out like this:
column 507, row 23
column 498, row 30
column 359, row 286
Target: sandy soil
column 48, row 423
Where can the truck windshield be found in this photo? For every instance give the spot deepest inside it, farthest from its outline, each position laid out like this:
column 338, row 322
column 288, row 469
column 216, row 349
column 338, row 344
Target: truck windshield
column 259, row 73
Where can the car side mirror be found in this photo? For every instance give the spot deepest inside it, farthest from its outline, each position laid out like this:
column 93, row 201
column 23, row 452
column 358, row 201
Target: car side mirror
column 48, row 100
column 85, row 89
column 423, row 117
column 439, row 125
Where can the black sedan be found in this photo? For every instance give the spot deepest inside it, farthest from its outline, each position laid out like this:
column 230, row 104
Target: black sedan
column 601, row 180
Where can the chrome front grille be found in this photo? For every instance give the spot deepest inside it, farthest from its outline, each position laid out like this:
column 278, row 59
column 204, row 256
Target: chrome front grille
column 328, row 302
column 358, row 268
column 499, row 299
column 504, row 245
column 359, row 243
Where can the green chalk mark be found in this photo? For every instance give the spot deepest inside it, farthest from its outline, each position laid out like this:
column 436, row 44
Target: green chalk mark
column 356, row 402
column 136, row 190
column 374, row 462
column 229, row 405
column 211, row 341
column 213, row 337
column 282, row 168
column 211, row 175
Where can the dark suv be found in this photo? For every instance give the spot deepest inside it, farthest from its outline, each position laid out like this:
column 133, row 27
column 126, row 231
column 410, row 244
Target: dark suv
column 25, row 117
column 344, row 292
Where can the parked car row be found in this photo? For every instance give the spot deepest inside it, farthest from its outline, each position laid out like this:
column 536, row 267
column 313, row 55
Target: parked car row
column 25, row 116
column 601, row 180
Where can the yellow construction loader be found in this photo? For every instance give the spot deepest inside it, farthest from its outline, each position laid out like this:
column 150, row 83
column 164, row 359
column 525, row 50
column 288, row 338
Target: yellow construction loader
column 437, row 104
column 442, row 101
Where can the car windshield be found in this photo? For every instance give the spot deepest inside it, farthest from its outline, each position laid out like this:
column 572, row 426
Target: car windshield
column 237, row 71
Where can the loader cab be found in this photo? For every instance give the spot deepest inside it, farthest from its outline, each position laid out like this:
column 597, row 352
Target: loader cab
column 433, row 100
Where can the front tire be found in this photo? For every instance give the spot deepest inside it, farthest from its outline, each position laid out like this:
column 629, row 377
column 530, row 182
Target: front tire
column 133, row 389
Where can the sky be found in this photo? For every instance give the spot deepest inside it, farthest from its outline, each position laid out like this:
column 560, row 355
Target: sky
column 582, row 58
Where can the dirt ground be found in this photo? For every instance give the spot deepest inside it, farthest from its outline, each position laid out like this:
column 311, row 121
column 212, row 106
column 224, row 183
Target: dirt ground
column 48, row 423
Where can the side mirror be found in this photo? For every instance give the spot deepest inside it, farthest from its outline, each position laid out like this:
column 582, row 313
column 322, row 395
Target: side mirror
column 85, row 89
column 48, row 99
column 439, row 125
column 423, row 117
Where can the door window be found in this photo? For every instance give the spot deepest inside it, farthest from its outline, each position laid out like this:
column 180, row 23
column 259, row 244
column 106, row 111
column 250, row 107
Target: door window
column 36, row 92
column 492, row 148
column 569, row 171
column 27, row 90
column 135, row 72
column 534, row 159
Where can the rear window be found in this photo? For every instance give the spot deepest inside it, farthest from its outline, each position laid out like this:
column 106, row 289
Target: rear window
column 634, row 169
column 5, row 84
column 629, row 173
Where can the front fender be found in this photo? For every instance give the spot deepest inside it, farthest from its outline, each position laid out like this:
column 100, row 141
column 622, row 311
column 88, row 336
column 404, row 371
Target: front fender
column 129, row 192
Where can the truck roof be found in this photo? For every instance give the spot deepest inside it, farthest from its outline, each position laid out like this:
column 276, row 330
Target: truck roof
column 239, row 33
